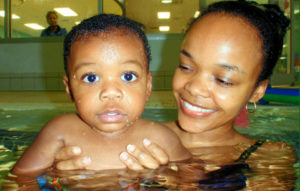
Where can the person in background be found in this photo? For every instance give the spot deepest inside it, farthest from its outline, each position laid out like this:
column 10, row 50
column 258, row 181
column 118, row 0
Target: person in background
column 53, row 29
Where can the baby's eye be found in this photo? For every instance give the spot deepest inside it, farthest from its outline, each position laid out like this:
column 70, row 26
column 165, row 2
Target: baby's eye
column 90, row 78
column 129, row 77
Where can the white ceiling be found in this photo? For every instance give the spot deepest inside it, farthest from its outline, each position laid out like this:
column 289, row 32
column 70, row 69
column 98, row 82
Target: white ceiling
column 143, row 11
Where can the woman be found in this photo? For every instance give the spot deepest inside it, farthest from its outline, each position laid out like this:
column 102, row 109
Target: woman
column 226, row 58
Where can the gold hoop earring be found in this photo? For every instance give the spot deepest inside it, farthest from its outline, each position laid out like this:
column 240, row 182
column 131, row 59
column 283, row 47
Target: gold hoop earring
column 251, row 110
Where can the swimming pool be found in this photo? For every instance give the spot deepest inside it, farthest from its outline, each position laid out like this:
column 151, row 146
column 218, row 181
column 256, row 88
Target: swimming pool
column 20, row 125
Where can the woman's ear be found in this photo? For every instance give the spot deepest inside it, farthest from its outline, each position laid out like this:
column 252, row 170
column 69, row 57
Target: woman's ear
column 259, row 91
column 68, row 88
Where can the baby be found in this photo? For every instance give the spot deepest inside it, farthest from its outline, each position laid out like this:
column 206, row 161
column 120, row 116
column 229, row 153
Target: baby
column 106, row 61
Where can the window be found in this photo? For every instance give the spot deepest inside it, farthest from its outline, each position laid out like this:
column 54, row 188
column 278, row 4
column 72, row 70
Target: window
column 29, row 17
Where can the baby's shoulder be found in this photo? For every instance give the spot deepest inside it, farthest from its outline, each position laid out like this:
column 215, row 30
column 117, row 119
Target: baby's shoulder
column 62, row 122
column 153, row 125
column 166, row 139
column 158, row 131
column 58, row 127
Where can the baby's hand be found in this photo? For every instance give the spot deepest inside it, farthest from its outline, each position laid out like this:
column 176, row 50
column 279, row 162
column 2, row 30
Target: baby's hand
column 135, row 159
column 69, row 158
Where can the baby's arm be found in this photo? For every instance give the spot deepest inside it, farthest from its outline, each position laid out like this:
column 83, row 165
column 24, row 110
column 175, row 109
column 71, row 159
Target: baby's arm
column 40, row 155
column 170, row 143
column 162, row 146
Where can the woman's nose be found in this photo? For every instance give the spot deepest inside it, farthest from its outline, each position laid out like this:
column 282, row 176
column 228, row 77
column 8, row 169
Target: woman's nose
column 198, row 86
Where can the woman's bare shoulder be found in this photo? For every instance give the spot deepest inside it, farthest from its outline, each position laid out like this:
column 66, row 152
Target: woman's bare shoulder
column 275, row 151
column 271, row 145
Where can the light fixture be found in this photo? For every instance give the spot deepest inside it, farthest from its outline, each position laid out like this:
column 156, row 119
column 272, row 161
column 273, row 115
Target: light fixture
column 282, row 58
column 14, row 16
column 163, row 15
column 77, row 22
column 197, row 13
column 34, row 26
column 166, row 1
column 164, row 28
column 65, row 11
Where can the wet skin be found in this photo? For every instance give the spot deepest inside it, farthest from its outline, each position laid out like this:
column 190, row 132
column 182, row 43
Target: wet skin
column 109, row 80
column 220, row 61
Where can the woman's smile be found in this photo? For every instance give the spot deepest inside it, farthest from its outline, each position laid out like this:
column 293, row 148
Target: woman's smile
column 195, row 111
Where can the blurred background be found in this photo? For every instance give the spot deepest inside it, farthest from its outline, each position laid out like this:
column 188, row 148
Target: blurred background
column 29, row 62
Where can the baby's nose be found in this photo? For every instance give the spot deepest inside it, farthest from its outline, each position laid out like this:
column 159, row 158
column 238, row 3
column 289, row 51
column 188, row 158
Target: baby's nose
column 111, row 92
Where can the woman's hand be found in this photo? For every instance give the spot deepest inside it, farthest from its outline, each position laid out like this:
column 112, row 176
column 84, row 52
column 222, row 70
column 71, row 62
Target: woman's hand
column 69, row 158
column 136, row 159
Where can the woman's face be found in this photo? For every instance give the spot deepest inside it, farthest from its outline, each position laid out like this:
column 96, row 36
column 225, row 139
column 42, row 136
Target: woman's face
column 220, row 61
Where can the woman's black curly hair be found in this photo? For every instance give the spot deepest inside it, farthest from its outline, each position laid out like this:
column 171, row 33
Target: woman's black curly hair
column 102, row 23
column 268, row 19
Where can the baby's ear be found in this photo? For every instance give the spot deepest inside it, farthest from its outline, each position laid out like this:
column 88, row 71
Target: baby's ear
column 149, row 84
column 68, row 88
column 259, row 91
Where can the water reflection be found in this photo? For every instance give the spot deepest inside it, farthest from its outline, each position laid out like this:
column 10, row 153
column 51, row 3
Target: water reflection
column 272, row 166
column 183, row 176
column 269, row 171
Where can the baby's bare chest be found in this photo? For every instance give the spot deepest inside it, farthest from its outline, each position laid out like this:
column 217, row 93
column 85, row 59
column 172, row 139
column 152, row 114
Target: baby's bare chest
column 103, row 152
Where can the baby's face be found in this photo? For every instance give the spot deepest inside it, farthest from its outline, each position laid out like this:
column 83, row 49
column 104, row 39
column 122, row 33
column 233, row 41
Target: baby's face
column 109, row 79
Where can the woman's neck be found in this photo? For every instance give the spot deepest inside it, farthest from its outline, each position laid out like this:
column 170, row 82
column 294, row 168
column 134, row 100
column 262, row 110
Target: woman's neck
column 222, row 136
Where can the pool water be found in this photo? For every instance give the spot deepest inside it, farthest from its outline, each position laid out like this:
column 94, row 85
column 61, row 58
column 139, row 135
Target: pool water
column 20, row 125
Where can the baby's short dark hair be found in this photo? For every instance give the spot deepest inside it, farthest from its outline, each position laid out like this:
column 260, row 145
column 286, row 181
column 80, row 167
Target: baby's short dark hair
column 103, row 23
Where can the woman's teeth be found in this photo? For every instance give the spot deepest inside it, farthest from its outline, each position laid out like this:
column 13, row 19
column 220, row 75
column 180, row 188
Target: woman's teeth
column 197, row 109
column 112, row 114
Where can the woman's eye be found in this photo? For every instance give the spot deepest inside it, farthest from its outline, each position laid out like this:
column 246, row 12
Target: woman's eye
column 129, row 77
column 90, row 78
column 224, row 82
column 184, row 67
